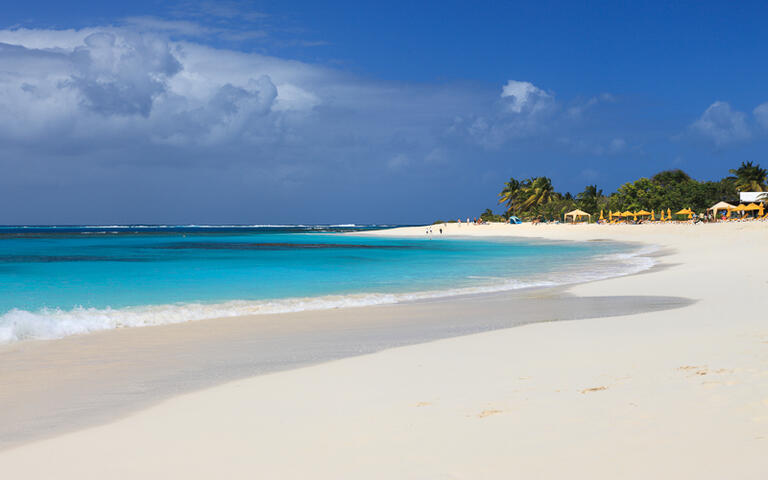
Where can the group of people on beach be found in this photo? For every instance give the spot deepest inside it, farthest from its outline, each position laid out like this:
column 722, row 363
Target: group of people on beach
column 429, row 231
column 475, row 221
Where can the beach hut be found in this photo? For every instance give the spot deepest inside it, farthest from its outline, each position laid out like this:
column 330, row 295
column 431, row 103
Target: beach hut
column 575, row 214
column 719, row 206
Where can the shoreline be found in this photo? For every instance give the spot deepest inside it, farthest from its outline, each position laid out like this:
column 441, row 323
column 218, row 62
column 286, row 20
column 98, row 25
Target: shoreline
column 284, row 341
column 704, row 369
column 85, row 321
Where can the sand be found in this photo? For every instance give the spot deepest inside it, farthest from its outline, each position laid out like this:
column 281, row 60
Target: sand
column 670, row 393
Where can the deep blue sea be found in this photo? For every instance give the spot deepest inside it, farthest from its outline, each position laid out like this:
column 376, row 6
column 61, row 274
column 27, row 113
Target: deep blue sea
column 65, row 280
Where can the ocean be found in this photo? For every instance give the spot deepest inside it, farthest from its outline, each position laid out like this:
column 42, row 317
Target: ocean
column 66, row 280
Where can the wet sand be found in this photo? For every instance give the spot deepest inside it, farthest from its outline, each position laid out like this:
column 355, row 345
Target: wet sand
column 51, row 387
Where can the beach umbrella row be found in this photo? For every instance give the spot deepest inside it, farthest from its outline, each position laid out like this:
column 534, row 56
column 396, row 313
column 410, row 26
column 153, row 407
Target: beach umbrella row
column 663, row 216
column 667, row 216
column 752, row 207
column 643, row 213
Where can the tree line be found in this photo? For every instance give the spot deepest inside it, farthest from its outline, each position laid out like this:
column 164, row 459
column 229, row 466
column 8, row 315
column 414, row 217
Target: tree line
column 536, row 198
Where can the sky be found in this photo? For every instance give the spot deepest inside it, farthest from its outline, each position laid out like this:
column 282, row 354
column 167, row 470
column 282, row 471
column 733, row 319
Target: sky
column 354, row 112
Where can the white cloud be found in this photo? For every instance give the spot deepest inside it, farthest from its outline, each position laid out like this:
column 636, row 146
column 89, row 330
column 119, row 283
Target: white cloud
column 761, row 115
column 524, row 111
column 176, row 27
column 120, row 82
column 437, row 156
column 398, row 162
column 125, row 92
column 721, row 124
column 579, row 107
column 525, row 98
column 610, row 147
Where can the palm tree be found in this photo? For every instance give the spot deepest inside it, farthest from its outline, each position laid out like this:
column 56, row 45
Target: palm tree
column 536, row 191
column 509, row 194
column 750, row 178
column 588, row 198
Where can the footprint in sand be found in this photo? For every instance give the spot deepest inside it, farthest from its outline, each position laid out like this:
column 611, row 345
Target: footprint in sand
column 488, row 413
column 594, row 389
column 695, row 369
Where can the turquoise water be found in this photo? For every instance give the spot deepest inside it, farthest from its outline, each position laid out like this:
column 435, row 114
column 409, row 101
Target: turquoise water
column 67, row 280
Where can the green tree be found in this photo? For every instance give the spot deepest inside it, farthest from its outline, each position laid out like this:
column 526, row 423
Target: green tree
column 509, row 195
column 489, row 216
column 536, row 192
column 750, row 178
column 640, row 194
column 554, row 209
column 669, row 178
column 589, row 199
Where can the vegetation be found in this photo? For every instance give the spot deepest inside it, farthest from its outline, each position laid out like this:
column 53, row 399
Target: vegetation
column 536, row 198
column 489, row 216
column 750, row 178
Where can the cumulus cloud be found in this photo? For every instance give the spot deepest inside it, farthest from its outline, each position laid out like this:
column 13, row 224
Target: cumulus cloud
column 525, row 98
column 121, row 77
column 150, row 99
column 721, row 124
column 523, row 110
column 761, row 115
column 526, row 111
column 117, row 82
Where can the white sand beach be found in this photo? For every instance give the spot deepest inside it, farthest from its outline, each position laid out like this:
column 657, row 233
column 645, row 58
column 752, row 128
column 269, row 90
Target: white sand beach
column 675, row 393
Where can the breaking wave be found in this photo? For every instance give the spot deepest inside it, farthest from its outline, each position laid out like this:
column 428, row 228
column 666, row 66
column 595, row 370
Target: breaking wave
column 18, row 325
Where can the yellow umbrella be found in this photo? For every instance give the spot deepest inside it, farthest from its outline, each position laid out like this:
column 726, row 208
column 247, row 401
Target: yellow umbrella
column 752, row 207
column 669, row 214
column 653, row 215
column 740, row 208
column 662, row 216
column 684, row 211
column 643, row 212
column 760, row 212
column 601, row 215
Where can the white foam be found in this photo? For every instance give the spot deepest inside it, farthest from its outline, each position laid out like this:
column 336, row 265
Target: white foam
column 18, row 325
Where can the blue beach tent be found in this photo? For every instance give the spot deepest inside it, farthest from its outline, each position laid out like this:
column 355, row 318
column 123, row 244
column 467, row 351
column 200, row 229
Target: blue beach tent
column 514, row 220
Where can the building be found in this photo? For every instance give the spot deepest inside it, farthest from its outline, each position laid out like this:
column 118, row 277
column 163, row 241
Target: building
column 753, row 197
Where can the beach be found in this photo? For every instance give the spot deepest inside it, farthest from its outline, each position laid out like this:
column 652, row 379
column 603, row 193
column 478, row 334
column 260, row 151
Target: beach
column 661, row 374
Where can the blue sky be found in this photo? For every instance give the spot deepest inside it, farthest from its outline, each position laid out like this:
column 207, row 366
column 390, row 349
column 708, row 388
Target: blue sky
column 283, row 112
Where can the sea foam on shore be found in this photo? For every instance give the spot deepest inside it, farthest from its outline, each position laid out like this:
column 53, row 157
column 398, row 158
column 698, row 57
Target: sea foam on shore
column 51, row 323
